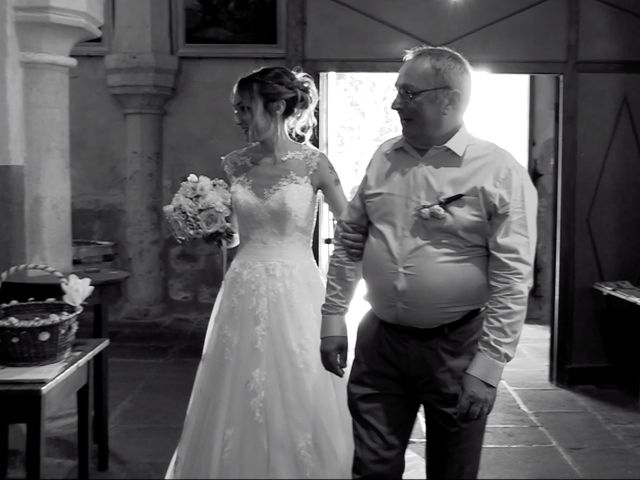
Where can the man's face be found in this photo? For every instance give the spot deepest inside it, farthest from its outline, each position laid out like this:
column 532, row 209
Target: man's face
column 422, row 117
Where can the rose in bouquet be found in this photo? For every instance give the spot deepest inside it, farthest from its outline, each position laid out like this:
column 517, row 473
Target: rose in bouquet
column 199, row 209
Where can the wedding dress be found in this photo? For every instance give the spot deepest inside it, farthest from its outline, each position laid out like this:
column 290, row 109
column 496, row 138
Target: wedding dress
column 262, row 405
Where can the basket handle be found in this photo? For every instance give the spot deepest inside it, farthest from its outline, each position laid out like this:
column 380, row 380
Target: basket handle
column 31, row 266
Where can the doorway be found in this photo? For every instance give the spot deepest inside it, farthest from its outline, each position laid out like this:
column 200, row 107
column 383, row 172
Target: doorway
column 519, row 112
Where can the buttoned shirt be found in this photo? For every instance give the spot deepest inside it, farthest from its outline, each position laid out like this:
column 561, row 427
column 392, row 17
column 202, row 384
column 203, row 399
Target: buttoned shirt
column 425, row 272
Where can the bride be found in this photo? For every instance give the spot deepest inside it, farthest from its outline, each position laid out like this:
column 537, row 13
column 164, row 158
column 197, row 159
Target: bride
column 262, row 405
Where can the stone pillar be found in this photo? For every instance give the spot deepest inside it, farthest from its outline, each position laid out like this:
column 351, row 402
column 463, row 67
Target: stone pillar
column 142, row 82
column 36, row 37
column 46, row 31
column 12, row 212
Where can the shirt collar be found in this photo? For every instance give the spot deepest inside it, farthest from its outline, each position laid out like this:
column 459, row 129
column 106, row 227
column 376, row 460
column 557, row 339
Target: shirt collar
column 457, row 144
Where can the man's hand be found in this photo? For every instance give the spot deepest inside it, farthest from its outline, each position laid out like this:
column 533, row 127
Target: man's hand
column 476, row 400
column 352, row 238
column 333, row 352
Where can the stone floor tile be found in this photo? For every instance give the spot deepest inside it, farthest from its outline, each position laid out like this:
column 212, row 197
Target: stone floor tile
column 150, row 384
column 607, row 397
column 630, row 434
column 414, row 466
column 162, row 407
column 143, row 444
column 126, row 377
column 59, row 468
column 555, row 400
column 148, row 333
column 190, row 350
column 506, row 411
column 535, row 333
column 418, row 447
column 527, row 379
column 524, row 462
column 522, row 361
column 516, row 436
column 136, row 351
column 614, row 406
column 126, row 370
column 178, row 367
column 418, row 432
column 578, row 430
column 606, row 462
column 538, row 352
column 137, row 470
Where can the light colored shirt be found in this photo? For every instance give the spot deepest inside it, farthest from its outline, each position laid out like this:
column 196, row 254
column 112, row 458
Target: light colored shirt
column 428, row 272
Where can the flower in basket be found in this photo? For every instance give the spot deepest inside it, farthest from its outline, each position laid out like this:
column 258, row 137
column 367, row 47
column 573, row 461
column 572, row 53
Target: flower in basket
column 199, row 209
column 437, row 210
column 76, row 290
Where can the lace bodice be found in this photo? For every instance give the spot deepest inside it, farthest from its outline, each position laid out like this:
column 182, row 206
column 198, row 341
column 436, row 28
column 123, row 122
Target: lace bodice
column 274, row 205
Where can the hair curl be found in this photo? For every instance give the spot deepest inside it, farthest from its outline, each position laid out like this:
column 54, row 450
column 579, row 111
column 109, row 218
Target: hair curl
column 295, row 87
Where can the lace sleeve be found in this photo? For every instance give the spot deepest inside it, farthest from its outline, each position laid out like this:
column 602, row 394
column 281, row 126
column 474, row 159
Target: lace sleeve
column 227, row 165
column 312, row 161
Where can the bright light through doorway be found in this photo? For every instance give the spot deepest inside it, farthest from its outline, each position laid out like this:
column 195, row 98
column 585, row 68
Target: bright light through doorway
column 499, row 111
column 356, row 117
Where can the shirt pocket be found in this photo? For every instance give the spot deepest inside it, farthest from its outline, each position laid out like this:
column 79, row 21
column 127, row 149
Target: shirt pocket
column 465, row 220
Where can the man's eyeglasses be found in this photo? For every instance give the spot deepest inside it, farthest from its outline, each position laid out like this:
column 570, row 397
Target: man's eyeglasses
column 409, row 95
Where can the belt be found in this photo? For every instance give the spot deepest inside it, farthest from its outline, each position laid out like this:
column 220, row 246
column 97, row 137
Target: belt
column 424, row 333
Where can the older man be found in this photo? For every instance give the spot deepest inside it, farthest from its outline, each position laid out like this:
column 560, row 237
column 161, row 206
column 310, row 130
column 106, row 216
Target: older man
column 450, row 226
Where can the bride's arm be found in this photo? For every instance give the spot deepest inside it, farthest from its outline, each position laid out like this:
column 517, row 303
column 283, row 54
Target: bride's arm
column 351, row 236
column 326, row 179
column 232, row 218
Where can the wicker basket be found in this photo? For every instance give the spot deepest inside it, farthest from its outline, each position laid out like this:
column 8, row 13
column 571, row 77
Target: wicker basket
column 36, row 332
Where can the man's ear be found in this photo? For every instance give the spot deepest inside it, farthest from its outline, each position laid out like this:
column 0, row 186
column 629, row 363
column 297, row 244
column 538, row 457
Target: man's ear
column 452, row 103
column 276, row 108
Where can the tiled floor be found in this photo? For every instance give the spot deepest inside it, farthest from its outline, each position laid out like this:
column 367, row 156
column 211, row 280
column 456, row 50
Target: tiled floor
column 535, row 430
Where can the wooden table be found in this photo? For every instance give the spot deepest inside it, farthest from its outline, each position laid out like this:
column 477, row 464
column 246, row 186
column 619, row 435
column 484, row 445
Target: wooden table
column 25, row 397
column 108, row 285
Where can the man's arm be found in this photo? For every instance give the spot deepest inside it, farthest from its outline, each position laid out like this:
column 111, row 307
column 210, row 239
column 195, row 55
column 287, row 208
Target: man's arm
column 512, row 247
column 352, row 238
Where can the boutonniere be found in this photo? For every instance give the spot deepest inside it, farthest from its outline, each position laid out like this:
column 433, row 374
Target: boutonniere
column 437, row 210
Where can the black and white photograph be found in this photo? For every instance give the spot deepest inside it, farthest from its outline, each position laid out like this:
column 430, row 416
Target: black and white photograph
column 290, row 239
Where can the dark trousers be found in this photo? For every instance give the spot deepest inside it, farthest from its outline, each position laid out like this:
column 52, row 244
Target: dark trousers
column 395, row 371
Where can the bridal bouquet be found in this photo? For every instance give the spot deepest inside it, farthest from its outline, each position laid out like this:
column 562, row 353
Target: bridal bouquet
column 199, row 209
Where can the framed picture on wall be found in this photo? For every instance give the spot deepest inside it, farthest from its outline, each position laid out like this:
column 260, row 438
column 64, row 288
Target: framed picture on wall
column 100, row 45
column 229, row 28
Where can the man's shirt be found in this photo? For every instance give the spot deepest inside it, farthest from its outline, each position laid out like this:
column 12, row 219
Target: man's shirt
column 428, row 272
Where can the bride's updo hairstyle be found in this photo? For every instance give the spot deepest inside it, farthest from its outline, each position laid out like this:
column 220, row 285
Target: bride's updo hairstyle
column 295, row 87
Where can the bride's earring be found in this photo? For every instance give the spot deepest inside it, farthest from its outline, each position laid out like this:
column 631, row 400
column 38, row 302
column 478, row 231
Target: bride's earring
column 277, row 108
